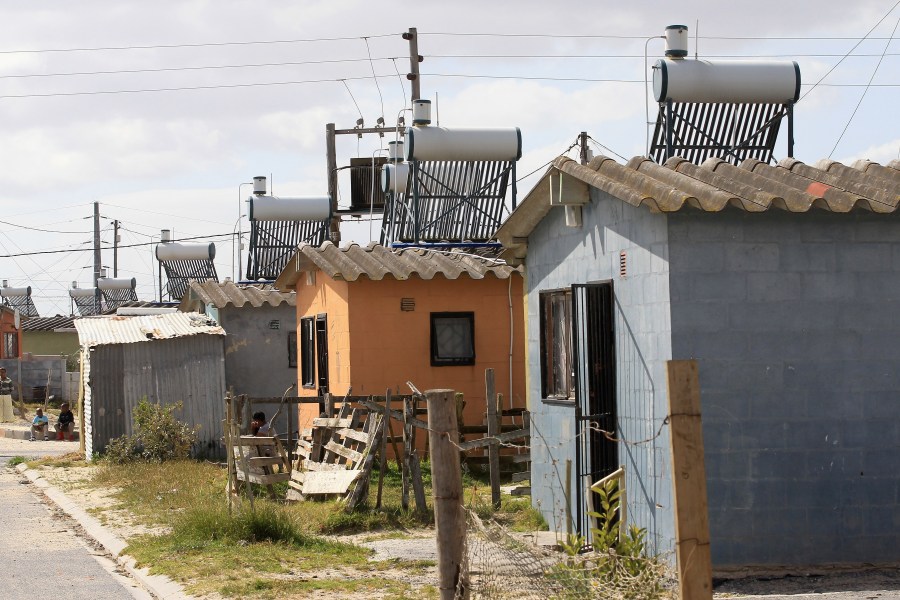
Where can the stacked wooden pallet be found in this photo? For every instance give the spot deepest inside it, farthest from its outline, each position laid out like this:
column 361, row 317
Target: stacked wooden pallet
column 336, row 455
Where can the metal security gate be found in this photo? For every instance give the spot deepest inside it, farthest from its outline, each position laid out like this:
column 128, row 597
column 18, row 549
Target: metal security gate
column 593, row 337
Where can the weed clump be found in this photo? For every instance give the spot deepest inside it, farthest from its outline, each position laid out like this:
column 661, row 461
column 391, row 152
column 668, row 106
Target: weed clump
column 158, row 436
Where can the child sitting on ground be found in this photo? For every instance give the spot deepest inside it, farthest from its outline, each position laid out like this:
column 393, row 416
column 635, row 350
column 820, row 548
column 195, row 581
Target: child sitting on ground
column 39, row 424
column 65, row 424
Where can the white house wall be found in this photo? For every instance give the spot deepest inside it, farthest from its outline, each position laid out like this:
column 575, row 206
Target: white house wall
column 559, row 256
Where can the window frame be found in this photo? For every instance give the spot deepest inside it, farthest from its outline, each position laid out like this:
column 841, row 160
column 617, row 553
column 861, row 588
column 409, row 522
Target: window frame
column 10, row 344
column 307, row 358
column 552, row 390
column 456, row 361
column 322, row 353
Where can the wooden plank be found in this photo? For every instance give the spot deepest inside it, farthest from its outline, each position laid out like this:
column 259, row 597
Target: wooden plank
column 351, row 455
column 689, row 481
column 329, row 482
column 320, row 466
column 382, row 458
column 353, row 434
column 395, row 414
column 263, row 479
column 333, row 422
column 495, row 440
column 493, row 426
column 254, row 440
column 484, row 428
column 265, row 461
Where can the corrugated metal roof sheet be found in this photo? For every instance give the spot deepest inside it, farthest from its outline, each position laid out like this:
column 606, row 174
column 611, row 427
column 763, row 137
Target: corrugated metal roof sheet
column 112, row 329
column 228, row 293
column 754, row 187
column 48, row 323
column 376, row 262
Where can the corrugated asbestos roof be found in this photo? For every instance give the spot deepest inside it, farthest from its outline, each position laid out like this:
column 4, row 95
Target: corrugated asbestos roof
column 113, row 329
column 228, row 293
column 48, row 323
column 376, row 262
column 754, row 186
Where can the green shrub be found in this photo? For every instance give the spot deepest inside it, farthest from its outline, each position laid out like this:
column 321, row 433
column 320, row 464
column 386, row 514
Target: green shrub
column 16, row 460
column 158, row 436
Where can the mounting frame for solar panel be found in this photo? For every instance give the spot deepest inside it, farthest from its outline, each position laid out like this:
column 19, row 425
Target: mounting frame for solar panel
column 733, row 132
column 88, row 305
column 449, row 203
column 272, row 243
column 114, row 298
column 23, row 304
column 180, row 273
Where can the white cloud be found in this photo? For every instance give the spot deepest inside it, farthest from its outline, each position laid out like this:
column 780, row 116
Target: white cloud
column 880, row 153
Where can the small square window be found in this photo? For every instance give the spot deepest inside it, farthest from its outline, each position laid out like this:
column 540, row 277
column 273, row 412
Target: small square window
column 452, row 339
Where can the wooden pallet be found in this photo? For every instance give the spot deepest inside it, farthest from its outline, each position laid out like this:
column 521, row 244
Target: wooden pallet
column 337, row 457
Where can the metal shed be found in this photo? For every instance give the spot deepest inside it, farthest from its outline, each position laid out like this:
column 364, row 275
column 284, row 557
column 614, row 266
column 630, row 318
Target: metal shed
column 166, row 358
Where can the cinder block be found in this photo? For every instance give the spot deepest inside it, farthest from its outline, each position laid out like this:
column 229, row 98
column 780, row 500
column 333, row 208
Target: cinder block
column 751, row 257
column 696, row 258
column 727, row 465
column 861, row 257
column 778, row 464
column 774, row 287
column 881, row 462
column 801, row 257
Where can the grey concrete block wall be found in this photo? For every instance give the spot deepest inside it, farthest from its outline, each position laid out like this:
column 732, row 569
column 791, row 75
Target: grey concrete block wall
column 559, row 256
column 34, row 374
column 256, row 354
column 792, row 319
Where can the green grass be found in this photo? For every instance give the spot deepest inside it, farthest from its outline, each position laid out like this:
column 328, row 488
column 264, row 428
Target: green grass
column 16, row 460
column 277, row 551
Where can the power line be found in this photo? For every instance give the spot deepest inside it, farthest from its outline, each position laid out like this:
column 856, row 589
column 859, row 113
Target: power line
column 855, row 46
column 199, row 45
column 17, row 226
column 198, row 68
column 215, row 235
column 640, row 37
column 856, row 108
column 641, row 56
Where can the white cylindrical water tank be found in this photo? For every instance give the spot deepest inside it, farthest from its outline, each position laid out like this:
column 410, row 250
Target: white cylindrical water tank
column 395, row 151
column 421, row 112
column 9, row 292
column 272, row 208
column 259, row 185
column 82, row 293
column 185, row 251
column 440, row 143
column 394, row 178
column 165, row 235
column 726, row 81
column 109, row 283
column 676, row 41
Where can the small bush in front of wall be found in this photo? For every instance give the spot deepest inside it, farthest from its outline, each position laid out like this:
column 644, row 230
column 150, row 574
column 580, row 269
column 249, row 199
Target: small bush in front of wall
column 158, row 436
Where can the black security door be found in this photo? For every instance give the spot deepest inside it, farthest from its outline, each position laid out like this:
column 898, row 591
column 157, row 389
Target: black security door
column 593, row 335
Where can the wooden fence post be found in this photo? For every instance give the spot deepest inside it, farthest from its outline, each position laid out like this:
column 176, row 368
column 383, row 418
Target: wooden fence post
column 446, row 484
column 492, row 431
column 689, row 481
column 382, row 453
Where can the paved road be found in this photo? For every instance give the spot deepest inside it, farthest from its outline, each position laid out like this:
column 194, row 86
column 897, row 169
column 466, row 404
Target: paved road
column 41, row 553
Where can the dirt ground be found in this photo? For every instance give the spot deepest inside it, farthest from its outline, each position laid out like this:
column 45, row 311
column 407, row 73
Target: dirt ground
column 871, row 584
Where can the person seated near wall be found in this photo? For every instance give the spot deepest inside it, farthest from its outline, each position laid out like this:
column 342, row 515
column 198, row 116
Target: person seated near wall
column 65, row 424
column 39, row 425
column 259, row 426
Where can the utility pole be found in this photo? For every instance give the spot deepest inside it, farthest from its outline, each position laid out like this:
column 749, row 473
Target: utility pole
column 334, row 230
column 96, row 242
column 115, row 248
column 584, row 153
column 414, row 59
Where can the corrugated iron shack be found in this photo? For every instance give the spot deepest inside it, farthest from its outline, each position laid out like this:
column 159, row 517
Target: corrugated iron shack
column 166, row 358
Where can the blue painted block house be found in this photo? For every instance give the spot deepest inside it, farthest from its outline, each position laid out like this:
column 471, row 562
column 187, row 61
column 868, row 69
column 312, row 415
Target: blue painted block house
column 782, row 282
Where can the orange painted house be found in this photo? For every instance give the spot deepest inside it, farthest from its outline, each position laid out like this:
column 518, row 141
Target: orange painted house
column 10, row 335
column 374, row 318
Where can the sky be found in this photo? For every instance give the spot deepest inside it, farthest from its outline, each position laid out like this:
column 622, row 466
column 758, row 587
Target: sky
column 160, row 111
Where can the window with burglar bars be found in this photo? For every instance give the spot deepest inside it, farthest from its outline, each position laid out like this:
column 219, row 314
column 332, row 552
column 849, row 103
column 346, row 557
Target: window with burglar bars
column 452, row 339
column 308, row 352
column 557, row 382
column 10, row 345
